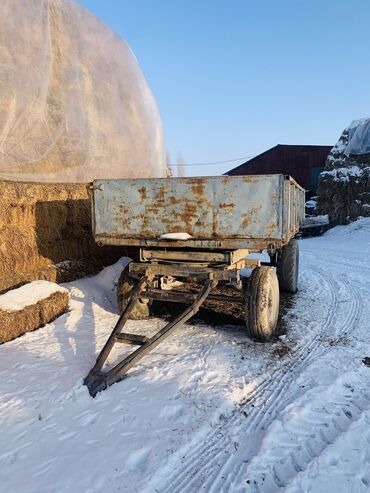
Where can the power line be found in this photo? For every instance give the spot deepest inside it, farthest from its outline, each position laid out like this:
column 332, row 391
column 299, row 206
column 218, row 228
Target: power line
column 209, row 164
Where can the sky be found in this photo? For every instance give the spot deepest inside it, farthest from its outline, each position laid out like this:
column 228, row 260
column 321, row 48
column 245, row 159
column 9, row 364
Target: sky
column 233, row 78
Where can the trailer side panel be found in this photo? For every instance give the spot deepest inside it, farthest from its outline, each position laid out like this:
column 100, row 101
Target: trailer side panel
column 209, row 209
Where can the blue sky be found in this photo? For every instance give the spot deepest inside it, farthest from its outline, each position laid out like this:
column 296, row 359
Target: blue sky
column 233, row 78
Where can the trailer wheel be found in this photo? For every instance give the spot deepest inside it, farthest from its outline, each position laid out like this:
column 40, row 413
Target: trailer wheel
column 262, row 303
column 288, row 266
column 124, row 287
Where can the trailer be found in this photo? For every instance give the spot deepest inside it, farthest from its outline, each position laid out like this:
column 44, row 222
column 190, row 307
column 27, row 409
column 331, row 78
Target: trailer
column 314, row 225
column 201, row 229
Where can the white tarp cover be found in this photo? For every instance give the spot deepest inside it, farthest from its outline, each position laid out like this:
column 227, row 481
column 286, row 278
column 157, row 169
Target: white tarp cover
column 74, row 104
column 358, row 138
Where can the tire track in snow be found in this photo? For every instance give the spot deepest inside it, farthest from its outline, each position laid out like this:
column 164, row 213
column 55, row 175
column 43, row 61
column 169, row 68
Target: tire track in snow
column 339, row 410
column 263, row 415
column 214, row 457
column 214, row 448
column 302, row 357
column 342, row 328
column 342, row 412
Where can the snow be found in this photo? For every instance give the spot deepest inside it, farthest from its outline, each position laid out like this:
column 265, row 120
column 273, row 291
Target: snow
column 175, row 236
column 343, row 174
column 209, row 409
column 29, row 294
column 321, row 219
column 311, row 203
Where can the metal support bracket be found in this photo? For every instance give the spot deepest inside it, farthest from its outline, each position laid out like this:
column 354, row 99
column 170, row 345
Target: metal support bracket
column 98, row 380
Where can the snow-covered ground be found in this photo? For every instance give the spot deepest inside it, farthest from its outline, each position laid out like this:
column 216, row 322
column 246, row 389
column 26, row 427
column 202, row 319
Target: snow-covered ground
column 208, row 410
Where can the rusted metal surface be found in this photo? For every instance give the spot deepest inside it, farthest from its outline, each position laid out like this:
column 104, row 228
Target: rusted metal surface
column 133, row 339
column 295, row 213
column 184, row 297
column 226, row 257
column 184, row 256
column 218, row 212
column 253, row 245
column 185, row 271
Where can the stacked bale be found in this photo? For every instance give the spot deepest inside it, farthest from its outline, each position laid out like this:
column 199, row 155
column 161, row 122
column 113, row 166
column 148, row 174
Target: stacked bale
column 45, row 233
column 30, row 307
column 344, row 185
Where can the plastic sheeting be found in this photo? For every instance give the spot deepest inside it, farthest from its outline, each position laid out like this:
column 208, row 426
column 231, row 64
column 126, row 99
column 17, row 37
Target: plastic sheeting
column 74, row 105
column 358, row 138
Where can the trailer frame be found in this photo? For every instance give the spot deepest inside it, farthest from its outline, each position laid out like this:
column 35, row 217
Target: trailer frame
column 210, row 273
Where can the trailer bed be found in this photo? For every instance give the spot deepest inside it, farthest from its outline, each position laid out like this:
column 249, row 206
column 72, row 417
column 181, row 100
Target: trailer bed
column 220, row 212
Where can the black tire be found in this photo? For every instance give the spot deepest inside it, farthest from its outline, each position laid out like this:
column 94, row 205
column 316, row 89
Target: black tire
column 124, row 287
column 262, row 303
column 288, row 267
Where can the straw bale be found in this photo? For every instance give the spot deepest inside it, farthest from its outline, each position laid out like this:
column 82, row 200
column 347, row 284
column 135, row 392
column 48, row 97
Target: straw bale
column 30, row 307
column 45, row 233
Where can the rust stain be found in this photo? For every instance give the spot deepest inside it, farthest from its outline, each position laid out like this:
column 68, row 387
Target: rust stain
column 154, row 208
column 226, row 206
column 165, row 220
column 194, row 181
column 188, row 213
column 198, row 188
column 176, row 229
column 250, row 178
column 160, row 195
column 200, row 224
column 271, row 229
column 245, row 220
column 143, row 193
column 248, row 218
column 144, row 224
column 214, row 222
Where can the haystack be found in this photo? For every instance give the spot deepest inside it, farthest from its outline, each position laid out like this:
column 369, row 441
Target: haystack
column 344, row 185
column 74, row 103
column 29, row 307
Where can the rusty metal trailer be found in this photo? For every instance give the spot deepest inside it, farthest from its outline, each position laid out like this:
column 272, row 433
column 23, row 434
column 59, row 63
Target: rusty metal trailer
column 203, row 229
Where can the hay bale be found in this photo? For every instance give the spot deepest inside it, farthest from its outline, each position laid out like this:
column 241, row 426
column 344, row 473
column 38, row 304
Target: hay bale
column 344, row 185
column 29, row 307
column 45, row 233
